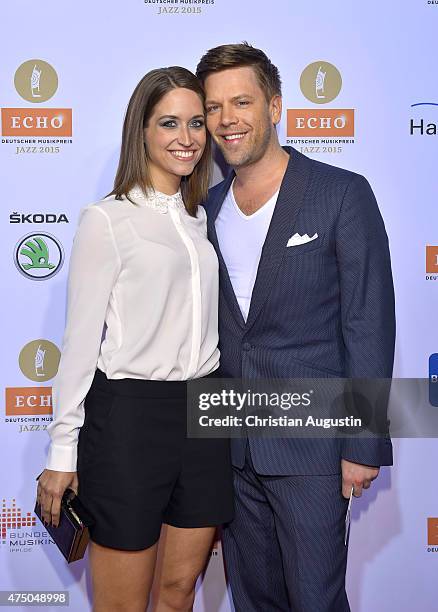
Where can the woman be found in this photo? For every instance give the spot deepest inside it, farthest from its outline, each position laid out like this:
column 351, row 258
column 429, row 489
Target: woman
column 142, row 266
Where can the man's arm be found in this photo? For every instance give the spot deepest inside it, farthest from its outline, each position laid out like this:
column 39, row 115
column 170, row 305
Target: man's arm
column 367, row 307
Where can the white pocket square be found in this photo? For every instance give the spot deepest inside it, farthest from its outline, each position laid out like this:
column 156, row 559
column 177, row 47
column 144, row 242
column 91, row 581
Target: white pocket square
column 296, row 239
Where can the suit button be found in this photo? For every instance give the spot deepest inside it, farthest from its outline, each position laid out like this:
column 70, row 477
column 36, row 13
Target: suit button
column 246, row 346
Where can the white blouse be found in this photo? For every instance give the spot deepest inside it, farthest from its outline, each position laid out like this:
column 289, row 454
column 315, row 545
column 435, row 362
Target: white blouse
column 147, row 272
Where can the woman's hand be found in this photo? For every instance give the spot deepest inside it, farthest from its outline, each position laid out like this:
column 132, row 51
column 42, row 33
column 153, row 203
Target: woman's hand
column 51, row 487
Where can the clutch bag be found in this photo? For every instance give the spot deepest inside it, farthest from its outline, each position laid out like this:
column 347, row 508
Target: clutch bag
column 72, row 535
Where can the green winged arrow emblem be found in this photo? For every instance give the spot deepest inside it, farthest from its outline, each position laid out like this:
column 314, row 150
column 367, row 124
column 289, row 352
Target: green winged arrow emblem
column 38, row 253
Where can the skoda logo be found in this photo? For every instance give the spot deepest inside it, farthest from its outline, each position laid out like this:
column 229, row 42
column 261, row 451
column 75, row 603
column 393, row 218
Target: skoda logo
column 39, row 256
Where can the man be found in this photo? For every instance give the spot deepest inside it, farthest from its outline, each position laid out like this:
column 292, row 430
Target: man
column 322, row 307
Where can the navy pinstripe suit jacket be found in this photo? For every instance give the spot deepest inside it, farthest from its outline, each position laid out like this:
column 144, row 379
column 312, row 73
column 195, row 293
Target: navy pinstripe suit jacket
column 320, row 309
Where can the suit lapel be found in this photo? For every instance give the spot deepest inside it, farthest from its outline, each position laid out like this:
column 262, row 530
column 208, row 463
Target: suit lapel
column 225, row 282
column 288, row 204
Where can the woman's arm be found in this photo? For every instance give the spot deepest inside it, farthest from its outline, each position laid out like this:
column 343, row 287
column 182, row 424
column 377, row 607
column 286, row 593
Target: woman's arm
column 94, row 266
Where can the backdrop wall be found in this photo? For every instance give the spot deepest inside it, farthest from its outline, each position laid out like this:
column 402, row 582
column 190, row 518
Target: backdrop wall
column 66, row 75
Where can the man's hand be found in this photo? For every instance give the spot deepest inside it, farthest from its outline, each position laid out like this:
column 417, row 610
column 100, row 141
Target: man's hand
column 358, row 476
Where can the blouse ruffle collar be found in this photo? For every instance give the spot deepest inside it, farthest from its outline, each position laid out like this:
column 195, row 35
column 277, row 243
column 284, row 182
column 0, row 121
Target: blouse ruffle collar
column 157, row 200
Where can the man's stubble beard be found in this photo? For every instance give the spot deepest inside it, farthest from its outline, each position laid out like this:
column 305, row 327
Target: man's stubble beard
column 254, row 154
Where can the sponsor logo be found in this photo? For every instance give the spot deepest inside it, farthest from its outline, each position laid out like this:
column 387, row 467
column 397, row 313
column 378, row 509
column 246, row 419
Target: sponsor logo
column 28, row 400
column 431, row 259
column 30, row 408
column 432, row 534
column 321, row 82
column 34, row 122
column 316, row 122
column 12, row 518
column 38, row 256
column 431, row 263
column 320, row 130
column 18, row 529
column 16, row 217
column 180, row 7
column 433, row 379
column 36, row 81
column 39, row 360
column 425, row 125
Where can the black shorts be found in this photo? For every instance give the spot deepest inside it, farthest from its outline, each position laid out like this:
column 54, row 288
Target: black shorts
column 137, row 469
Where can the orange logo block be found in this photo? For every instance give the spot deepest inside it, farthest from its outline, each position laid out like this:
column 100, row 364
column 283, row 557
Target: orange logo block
column 432, row 531
column 28, row 400
column 432, row 259
column 36, row 122
column 320, row 122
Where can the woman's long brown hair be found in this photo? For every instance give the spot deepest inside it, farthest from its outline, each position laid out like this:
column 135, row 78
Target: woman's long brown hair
column 133, row 166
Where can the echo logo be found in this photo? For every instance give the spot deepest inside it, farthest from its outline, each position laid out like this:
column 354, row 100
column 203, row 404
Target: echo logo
column 36, row 81
column 432, row 531
column 431, row 259
column 320, row 82
column 36, row 121
column 433, row 379
column 39, row 360
column 320, row 122
column 28, row 400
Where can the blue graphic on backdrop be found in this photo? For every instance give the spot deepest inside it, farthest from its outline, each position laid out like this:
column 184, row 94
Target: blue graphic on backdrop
column 425, row 104
column 433, row 379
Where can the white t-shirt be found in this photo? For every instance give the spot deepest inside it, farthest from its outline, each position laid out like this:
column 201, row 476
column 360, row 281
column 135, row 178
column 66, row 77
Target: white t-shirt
column 241, row 238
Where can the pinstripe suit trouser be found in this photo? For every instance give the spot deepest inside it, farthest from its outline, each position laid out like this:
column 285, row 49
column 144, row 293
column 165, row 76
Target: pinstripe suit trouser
column 284, row 551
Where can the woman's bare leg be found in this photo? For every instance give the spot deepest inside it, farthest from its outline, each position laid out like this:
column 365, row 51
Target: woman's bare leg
column 121, row 579
column 184, row 555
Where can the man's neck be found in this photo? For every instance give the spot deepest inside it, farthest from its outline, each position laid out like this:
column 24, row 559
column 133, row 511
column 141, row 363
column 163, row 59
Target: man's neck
column 269, row 169
column 255, row 185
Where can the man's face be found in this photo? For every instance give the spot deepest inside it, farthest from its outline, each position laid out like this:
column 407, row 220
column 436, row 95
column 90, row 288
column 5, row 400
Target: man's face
column 239, row 118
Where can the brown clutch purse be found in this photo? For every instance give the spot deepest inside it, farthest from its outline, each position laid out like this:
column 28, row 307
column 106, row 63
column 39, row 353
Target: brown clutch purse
column 71, row 536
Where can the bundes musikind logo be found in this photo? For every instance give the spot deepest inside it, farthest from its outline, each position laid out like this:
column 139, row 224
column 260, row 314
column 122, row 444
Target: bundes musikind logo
column 18, row 528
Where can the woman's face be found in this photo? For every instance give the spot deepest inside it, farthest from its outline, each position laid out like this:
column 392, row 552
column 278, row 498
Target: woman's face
column 176, row 135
